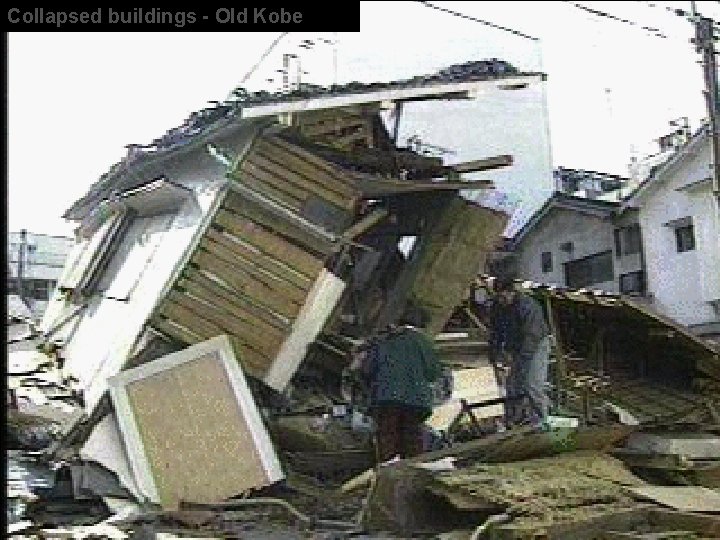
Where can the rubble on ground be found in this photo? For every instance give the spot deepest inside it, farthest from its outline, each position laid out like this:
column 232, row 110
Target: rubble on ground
column 190, row 377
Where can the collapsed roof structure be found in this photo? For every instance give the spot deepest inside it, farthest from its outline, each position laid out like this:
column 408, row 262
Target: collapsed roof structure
column 274, row 220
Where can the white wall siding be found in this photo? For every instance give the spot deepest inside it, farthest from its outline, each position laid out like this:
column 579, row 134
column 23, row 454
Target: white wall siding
column 588, row 234
column 682, row 284
column 108, row 329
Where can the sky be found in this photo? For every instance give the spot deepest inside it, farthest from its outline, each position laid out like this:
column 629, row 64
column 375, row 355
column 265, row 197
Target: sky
column 76, row 99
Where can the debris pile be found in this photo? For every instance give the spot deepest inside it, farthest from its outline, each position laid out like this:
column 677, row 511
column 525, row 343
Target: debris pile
column 200, row 340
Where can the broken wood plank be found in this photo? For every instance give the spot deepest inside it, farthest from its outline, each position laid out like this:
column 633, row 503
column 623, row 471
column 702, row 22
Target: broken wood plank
column 669, row 462
column 236, row 297
column 372, row 185
column 683, row 498
column 317, row 161
column 293, row 227
column 282, row 287
column 366, row 223
column 258, row 291
column 265, row 344
column 279, row 196
column 174, row 330
column 360, row 481
column 220, row 303
column 250, row 358
column 485, row 164
column 268, row 177
column 268, row 243
column 300, row 173
column 256, row 257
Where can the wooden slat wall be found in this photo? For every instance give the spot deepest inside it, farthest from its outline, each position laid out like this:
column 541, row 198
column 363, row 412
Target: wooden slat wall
column 290, row 176
column 455, row 252
column 340, row 129
column 252, row 270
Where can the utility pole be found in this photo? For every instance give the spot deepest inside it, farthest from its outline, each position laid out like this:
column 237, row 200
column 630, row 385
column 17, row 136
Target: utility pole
column 286, row 72
column 704, row 44
column 21, row 265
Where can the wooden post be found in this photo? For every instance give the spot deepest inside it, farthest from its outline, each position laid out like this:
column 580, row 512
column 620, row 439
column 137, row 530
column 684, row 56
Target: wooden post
column 600, row 351
column 560, row 365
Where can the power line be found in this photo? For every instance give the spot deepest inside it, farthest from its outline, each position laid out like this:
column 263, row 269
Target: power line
column 674, row 11
column 688, row 15
column 654, row 31
column 475, row 19
column 262, row 58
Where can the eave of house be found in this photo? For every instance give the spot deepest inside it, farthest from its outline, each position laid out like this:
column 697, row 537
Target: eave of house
column 387, row 97
column 635, row 198
column 232, row 115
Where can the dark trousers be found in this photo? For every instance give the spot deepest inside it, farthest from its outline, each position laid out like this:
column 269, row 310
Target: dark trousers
column 399, row 432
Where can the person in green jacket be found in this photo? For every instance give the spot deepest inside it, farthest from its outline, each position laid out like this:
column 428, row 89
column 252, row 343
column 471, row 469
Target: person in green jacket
column 399, row 366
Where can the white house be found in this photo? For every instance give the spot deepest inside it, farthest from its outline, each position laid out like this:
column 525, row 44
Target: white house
column 234, row 223
column 680, row 224
column 580, row 242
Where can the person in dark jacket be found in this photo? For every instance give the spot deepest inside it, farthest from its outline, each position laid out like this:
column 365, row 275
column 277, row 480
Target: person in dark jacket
column 399, row 367
column 519, row 329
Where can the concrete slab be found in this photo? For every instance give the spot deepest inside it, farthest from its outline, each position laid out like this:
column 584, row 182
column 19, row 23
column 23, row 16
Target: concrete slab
column 684, row 498
column 691, row 445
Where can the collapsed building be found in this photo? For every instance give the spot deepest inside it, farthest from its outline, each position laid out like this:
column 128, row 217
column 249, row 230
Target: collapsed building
column 223, row 274
column 275, row 220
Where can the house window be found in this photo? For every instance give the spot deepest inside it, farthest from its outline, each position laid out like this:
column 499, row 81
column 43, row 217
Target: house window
column 596, row 268
column 38, row 289
column 685, row 238
column 546, row 262
column 632, row 283
column 627, row 240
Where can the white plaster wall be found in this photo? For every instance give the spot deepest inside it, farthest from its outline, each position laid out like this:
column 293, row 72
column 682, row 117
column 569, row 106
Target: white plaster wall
column 682, row 284
column 108, row 329
column 589, row 235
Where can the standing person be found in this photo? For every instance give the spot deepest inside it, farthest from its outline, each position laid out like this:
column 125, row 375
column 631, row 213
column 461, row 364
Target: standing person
column 399, row 367
column 519, row 328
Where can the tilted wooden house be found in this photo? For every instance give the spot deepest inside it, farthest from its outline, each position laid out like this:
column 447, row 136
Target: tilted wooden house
column 273, row 219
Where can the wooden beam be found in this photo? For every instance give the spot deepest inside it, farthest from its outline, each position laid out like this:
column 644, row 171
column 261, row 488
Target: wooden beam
column 258, row 291
column 271, row 280
column 258, row 208
column 269, row 243
column 367, row 222
column 244, row 318
column 372, row 185
column 255, row 257
column 267, row 344
column 235, row 296
column 485, row 164
column 560, row 355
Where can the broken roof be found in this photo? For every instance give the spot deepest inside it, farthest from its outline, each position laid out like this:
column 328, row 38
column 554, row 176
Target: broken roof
column 630, row 306
column 455, row 82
